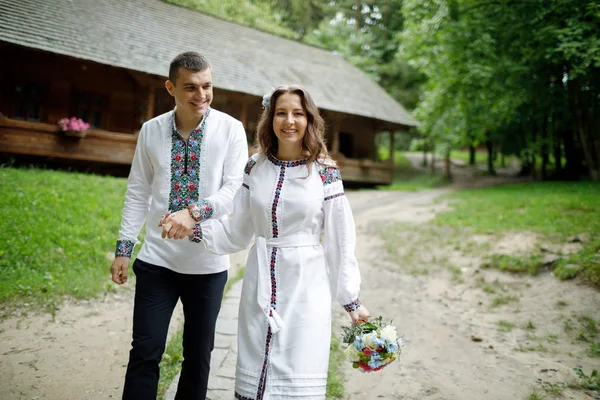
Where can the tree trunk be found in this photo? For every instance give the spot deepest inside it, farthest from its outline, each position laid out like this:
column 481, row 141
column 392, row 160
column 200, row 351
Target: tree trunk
column 573, row 156
column 471, row 154
column 447, row 171
column 557, row 150
column 432, row 149
column 585, row 135
column 490, row 154
column 544, row 148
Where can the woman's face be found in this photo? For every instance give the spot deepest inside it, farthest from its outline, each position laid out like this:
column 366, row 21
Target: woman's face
column 289, row 121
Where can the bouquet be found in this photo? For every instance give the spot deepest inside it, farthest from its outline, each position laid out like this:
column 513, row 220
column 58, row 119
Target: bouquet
column 372, row 344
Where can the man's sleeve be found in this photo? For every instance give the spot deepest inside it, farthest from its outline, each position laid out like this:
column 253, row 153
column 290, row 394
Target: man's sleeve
column 137, row 198
column 221, row 203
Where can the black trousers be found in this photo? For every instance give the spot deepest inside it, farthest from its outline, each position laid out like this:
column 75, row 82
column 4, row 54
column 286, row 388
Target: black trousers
column 157, row 291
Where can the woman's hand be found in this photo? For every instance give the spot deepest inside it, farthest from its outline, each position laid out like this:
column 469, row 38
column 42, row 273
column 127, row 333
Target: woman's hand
column 177, row 225
column 361, row 313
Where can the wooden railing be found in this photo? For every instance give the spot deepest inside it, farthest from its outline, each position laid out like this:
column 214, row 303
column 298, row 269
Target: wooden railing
column 46, row 140
column 364, row 171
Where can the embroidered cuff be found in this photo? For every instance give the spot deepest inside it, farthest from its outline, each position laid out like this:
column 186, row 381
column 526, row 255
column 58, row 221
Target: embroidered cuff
column 124, row 248
column 197, row 235
column 352, row 306
column 206, row 210
column 333, row 196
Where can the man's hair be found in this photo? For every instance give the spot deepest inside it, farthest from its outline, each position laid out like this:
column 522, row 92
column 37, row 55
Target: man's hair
column 188, row 60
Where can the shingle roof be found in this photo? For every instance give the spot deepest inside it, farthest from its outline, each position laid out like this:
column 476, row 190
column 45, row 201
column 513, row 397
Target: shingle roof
column 144, row 35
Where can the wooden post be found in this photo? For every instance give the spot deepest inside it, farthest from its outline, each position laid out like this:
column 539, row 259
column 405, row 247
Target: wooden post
column 335, row 134
column 244, row 113
column 150, row 105
column 392, row 147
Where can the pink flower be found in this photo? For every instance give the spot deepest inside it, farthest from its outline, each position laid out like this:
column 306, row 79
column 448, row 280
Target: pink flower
column 73, row 124
column 367, row 352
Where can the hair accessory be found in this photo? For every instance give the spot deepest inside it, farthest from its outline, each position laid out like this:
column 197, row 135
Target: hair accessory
column 266, row 100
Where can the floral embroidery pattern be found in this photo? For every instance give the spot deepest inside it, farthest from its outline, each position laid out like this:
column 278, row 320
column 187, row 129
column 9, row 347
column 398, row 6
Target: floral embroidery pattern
column 197, row 235
column 282, row 166
column 288, row 164
column 352, row 306
column 240, row 397
column 124, row 248
column 333, row 196
column 263, row 374
column 249, row 165
column 206, row 209
column 330, row 175
column 185, row 166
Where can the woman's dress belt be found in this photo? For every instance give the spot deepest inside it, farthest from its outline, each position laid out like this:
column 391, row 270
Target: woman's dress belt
column 264, row 271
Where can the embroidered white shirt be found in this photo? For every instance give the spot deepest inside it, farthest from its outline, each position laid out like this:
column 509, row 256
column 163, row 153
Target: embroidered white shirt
column 219, row 153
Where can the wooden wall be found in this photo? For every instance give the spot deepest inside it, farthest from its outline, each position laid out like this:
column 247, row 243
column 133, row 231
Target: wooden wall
column 129, row 99
column 62, row 78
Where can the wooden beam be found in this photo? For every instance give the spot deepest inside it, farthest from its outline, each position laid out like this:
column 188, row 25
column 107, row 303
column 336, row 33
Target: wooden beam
column 244, row 112
column 150, row 105
column 392, row 147
column 335, row 133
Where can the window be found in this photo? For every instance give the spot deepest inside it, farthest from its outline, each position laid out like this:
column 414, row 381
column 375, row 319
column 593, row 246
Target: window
column 89, row 107
column 27, row 102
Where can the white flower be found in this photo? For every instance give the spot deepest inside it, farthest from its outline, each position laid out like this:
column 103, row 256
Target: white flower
column 389, row 333
column 368, row 338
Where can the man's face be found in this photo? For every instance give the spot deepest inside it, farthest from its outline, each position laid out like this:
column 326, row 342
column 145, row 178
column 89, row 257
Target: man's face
column 193, row 91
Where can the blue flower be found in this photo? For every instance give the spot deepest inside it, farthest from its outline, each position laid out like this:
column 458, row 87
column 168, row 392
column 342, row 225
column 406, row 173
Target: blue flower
column 391, row 348
column 266, row 100
column 376, row 340
column 375, row 360
column 358, row 343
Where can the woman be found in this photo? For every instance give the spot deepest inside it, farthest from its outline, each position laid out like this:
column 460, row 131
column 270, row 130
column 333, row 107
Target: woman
column 292, row 192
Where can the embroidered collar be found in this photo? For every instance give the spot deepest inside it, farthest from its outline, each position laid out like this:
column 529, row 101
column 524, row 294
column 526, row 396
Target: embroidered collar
column 198, row 129
column 287, row 164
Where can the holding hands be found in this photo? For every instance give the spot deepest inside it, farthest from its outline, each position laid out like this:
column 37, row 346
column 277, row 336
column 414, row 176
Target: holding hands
column 177, row 225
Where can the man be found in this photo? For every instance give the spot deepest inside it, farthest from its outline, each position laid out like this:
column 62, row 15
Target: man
column 188, row 162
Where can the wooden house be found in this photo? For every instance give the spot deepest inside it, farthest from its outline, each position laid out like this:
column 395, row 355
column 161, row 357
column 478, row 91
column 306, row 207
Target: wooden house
column 106, row 62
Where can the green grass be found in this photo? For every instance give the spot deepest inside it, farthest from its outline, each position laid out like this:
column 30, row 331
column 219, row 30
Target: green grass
column 509, row 263
column 335, row 377
column 586, row 262
column 503, row 300
column 505, row 326
column 547, row 208
column 170, row 364
column 555, row 210
column 56, row 229
column 534, row 396
column 408, row 179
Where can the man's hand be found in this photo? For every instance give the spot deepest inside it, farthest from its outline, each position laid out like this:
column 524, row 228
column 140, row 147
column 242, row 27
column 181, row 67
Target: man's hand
column 178, row 225
column 119, row 269
column 361, row 313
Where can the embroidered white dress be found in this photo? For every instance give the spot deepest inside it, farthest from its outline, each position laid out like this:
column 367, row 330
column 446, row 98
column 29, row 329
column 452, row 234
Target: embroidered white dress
column 285, row 311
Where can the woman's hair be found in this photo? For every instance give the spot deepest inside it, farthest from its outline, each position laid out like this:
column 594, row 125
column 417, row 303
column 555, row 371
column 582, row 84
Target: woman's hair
column 313, row 141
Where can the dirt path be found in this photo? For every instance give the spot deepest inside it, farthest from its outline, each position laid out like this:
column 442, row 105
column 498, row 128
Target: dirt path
column 82, row 352
column 431, row 284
